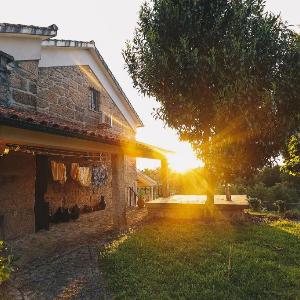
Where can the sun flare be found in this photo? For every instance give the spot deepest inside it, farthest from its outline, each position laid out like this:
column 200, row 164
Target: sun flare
column 184, row 158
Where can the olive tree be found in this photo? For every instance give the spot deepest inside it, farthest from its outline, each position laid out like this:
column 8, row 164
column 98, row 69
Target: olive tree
column 226, row 74
column 292, row 156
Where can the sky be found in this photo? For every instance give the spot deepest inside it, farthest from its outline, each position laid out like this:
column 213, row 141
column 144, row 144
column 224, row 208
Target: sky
column 110, row 23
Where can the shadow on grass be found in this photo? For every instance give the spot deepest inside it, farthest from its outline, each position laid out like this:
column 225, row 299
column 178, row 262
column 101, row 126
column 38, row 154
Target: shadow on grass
column 167, row 260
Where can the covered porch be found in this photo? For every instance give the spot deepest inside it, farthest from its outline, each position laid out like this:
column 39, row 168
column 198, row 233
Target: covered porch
column 32, row 137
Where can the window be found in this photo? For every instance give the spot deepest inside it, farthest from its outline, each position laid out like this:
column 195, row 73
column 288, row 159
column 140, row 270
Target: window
column 94, row 99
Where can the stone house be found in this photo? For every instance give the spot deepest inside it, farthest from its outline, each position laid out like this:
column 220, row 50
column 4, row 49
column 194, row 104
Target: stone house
column 60, row 105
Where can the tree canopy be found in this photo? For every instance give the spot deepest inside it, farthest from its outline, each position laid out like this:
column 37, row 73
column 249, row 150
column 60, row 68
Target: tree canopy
column 292, row 158
column 226, row 74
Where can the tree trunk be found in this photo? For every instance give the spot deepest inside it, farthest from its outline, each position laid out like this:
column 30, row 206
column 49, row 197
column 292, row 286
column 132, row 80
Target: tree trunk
column 210, row 192
column 210, row 189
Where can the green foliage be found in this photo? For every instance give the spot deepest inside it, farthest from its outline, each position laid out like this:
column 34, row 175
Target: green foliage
column 269, row 185
column 5, row 264
column 280, row 205
column 292, row 215
column 192, row 261
column 269, row 176
column 226, row 75
column 255, row 204
column 292, row 159
column 155, row 174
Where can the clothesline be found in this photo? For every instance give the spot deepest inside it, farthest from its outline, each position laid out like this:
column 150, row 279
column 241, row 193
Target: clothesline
column 52, row 152
column 85, row 176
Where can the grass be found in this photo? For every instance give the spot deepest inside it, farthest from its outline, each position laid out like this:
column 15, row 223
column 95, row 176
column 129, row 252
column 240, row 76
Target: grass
column 193, row 261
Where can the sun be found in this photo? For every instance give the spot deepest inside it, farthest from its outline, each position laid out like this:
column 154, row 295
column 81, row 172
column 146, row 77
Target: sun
column 183, row 159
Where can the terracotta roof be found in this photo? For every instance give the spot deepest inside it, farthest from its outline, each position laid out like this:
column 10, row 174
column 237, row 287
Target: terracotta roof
column 42, row 122
column 49, row 31
column 92, row 46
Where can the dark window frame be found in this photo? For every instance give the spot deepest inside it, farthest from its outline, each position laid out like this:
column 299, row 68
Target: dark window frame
column 94, row 100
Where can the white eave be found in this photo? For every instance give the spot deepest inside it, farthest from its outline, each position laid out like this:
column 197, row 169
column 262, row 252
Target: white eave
column 98, row 57
column 28, row 30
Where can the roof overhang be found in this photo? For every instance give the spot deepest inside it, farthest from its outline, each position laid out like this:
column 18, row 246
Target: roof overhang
column 40, row 130
column 144, row 180
column 50, row 140
column 19, row 30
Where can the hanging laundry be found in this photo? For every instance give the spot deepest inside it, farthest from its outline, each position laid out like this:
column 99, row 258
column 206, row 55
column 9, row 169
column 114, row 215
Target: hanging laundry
column 84, row 176
column 59, row 172
column 99, row 176
column 75, row 171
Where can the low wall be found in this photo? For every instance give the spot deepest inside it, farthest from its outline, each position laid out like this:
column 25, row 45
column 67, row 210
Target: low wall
column 194, row 211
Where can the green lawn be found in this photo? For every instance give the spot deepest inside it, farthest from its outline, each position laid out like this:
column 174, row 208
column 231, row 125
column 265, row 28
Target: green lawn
column 190, row 261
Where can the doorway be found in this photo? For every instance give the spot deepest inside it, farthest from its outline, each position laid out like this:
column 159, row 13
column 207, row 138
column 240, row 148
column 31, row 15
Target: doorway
column 41, row 207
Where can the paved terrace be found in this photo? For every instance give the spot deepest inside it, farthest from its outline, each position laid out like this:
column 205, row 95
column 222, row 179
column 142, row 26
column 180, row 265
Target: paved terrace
column 200, row 199
column 62, row 263
column 192, row 207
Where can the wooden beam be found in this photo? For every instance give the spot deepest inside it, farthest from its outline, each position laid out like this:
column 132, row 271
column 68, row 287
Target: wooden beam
column 14, row 135
column 35, row 138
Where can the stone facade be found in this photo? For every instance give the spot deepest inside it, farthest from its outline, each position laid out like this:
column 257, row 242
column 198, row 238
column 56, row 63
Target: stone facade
column 5, row 59
column 64, row 92
column 130, row 177
column 17, row 186
column 23, row 84
column 118, row 191
column 71, row 193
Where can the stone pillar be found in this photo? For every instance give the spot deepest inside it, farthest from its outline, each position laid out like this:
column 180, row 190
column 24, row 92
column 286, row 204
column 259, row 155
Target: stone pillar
column 164, row 178
column 151, row 194
column 118, row 191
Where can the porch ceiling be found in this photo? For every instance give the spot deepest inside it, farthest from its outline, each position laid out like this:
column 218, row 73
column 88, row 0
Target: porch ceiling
column 41, row 139
column 41, row 130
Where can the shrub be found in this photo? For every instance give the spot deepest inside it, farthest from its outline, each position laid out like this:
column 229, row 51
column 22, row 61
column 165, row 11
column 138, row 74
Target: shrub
column 292, row 214
column 269, row 195
column 281, row 207
column 255, row 204
column 5, row 263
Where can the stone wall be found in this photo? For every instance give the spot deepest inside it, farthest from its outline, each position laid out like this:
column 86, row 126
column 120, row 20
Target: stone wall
column 71, row 193
column 64, row 92
column 119, row 191
column 17, row 186
column 5, row 59
column 17, row 194
column 23, row 84
column 130, row 176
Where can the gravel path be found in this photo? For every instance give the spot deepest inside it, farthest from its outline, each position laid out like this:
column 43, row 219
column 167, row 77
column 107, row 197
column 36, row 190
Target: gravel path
column 50, row 267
